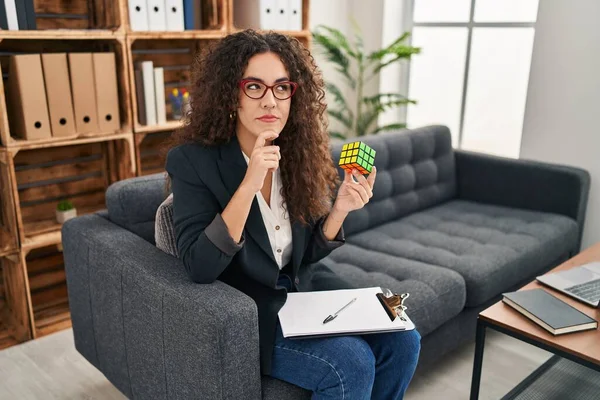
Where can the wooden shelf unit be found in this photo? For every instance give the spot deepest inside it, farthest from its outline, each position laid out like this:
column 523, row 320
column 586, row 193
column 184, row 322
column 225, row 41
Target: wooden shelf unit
column 34, row 175
column 176, row 57
column 116, row 45
column 80, row 171
column 9, row 233
column 148, row 152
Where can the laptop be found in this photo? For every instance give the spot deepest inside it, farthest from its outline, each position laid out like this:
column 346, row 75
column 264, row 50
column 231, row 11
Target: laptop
column 581, row 283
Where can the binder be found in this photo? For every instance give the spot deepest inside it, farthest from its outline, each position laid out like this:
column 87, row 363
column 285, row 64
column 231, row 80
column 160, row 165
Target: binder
column 174, row 12
column 58, row 94
column 11, row 14
column 138, row 15
column 26, row 102
column 192, row 14
column 3, row 19
column 295, row 15
column 159, row 95
column 21, row 14
column 157, row 19
column 107, row 95
column 81, row 71
column 375, row 310
column 255, row 14
column 140, row 99
column 29, row 14
column 281, row 15
column 147, row 68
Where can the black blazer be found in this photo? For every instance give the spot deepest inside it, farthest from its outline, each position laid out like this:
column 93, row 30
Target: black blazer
column 203, row 181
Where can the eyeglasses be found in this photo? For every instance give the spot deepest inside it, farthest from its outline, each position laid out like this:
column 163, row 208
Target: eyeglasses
column 257, row 90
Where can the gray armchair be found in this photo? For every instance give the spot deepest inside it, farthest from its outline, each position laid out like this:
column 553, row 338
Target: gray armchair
column 139, row 319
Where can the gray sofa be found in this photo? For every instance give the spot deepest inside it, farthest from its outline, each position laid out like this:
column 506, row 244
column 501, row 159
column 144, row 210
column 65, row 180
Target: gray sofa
column 454, row 229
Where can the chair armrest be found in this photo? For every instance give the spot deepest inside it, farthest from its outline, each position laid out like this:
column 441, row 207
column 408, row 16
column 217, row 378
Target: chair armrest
column 153, row 332
column 523, row 184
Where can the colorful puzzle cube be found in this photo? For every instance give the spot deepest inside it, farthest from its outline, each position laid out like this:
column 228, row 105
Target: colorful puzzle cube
column 357, row 155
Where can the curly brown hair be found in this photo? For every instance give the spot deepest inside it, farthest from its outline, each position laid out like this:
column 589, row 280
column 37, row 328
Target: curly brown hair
column 307, row 171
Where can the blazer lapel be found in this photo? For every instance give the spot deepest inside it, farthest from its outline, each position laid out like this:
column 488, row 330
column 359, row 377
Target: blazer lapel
column 233, row 167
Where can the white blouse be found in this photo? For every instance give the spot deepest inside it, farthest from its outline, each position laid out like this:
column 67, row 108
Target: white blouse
column 276, row 220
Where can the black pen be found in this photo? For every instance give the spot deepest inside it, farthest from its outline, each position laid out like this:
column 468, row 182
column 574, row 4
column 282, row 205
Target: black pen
column 332, row 317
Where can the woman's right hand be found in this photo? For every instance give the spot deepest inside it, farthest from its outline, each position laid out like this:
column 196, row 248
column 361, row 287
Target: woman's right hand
column 262, row 160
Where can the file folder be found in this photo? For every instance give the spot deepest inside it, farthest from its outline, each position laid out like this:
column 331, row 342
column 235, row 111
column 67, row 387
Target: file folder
column 3, row 19
column 29, row 14
column 81, row 71
column 192, row 14
column 174, row 12
column 107, row 95
column 280, row 19
column 138, row 15
column 157, row 19
column 255, row 14
column 26, row 102
column 58, row 94
column 21, row 14
column 295, row 15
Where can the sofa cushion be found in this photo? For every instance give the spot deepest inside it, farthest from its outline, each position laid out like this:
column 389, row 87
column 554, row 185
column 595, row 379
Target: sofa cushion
column 132, row 203
column 164, row 231
column 436, row 294
column 415, row 170
column 491, row 247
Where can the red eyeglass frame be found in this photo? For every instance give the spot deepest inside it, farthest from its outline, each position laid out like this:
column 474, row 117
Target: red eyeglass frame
column 267, row 87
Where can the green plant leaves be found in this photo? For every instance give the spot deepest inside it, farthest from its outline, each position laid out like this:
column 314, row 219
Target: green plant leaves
column 351, row 61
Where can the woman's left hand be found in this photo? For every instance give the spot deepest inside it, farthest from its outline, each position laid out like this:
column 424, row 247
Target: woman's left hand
column 353, row 195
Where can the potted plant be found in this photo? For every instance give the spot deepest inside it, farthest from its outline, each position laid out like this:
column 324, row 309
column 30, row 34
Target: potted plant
column 357, row 68
column 65, row 211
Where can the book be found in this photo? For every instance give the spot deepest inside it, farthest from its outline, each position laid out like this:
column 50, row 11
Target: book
column 548, row 311
column 304, row 313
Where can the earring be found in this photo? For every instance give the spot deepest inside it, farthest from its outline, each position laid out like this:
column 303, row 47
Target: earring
column 232, row 115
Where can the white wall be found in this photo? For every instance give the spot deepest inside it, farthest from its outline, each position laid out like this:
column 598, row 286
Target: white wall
column 337, row 14
column 563, row 101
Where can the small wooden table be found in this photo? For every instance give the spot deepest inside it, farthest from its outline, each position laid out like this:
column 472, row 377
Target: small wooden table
column 580, row 347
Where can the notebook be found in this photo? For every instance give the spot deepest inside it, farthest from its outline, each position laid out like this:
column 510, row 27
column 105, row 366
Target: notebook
column 303, row 314
column 548, row 311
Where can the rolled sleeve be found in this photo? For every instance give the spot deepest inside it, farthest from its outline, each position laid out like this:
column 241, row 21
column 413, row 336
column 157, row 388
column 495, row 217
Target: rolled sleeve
column 322, row 241
column 218, row 234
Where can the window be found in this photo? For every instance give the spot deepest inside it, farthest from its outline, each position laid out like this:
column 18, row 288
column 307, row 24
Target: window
column 473, row 71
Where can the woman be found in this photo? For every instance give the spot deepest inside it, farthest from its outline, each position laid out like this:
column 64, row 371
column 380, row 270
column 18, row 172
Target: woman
column 255, row 205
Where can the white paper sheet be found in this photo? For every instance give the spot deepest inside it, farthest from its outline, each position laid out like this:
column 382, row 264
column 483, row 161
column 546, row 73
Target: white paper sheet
column 303, row 313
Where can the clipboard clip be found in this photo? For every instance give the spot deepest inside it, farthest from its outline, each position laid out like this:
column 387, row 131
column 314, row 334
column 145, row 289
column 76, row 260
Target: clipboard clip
column 393, row 304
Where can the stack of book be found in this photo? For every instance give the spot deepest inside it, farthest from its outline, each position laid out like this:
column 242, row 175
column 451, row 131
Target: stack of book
column 151, row 96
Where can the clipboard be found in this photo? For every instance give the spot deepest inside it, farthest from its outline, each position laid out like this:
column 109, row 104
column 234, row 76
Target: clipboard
column 376, row 310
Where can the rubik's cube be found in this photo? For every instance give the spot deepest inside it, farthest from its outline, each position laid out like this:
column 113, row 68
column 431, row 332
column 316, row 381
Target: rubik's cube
column 357, row 155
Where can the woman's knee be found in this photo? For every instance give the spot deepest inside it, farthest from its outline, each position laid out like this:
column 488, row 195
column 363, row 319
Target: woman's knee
column 353, row 367
column 408, row 346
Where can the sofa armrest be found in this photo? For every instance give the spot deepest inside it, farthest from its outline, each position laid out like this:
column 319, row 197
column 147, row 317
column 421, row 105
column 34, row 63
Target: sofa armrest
column 153, row 332
column 523, row 184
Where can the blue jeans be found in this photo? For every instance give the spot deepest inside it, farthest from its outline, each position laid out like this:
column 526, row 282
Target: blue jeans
column 375, row 366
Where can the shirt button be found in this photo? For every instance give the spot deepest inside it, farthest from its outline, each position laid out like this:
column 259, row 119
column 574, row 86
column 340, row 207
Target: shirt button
column 279, row 250
column 277, row 228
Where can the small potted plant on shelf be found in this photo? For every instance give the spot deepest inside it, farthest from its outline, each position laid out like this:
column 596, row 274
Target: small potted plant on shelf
column 65, row 211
